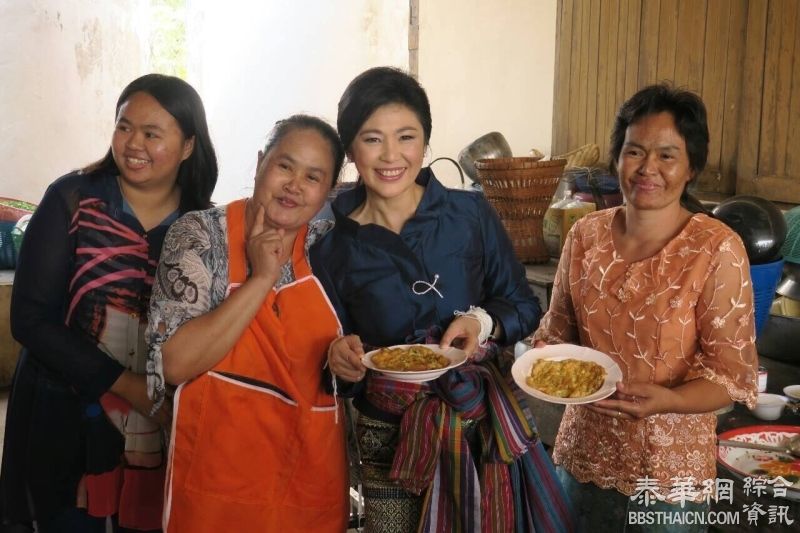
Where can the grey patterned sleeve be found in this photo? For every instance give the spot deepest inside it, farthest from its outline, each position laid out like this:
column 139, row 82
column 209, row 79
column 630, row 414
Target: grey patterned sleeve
column 316, row 230
column 190, row 280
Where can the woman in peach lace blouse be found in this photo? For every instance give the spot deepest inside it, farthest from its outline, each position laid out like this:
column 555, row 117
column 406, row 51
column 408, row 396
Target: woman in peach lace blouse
column 667, row 294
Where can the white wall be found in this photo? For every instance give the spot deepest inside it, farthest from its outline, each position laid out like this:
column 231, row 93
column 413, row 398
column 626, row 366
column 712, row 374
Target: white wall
column 488, row 66
column 258, row 64
column 62, row 66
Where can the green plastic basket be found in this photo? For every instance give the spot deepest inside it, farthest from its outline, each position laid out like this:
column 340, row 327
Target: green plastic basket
column 791, row 246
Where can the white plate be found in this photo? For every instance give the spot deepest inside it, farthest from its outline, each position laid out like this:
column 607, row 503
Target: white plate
column 559, row 352
column 457, row 357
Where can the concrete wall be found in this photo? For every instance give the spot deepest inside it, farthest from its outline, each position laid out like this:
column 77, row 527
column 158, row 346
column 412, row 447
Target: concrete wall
column 258, row 64
column 62, row 66
column 64, row 62
column 487, row 66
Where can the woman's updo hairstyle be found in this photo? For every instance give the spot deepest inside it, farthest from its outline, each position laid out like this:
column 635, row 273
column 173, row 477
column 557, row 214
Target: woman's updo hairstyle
column 307, row 122
column 375, row 88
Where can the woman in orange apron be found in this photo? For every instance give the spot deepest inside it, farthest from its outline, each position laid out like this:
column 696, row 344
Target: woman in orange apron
column 240, row 323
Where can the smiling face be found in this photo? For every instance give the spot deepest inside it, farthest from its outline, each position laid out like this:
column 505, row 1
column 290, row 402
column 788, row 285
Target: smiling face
column 293, row 179
column 148, row 145
column 653, row 164
column 388, row 151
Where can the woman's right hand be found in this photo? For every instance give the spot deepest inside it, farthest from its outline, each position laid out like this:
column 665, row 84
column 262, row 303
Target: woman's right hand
column 344, row 358
column 133, row 388
column 264, row 250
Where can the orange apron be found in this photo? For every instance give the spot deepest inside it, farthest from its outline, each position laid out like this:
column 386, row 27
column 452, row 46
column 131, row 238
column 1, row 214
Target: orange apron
column 255, row 445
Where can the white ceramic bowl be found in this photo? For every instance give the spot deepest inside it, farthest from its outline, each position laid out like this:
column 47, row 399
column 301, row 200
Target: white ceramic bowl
column 793, row 392
column 769, row 406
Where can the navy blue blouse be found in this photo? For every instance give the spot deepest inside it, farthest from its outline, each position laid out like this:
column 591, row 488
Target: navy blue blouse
column 451, row 254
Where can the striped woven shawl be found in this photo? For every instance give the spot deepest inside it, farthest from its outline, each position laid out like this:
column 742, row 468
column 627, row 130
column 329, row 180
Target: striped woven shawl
column 511, row 487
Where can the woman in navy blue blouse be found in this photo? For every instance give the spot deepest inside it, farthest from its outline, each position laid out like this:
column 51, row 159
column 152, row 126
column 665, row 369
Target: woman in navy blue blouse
column 83, row 440
column 411, row 261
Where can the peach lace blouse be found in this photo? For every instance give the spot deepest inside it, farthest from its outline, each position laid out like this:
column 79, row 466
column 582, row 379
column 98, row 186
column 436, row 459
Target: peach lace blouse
column 685, row 313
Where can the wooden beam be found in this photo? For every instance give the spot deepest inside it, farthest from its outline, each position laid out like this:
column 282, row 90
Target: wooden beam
column 750, row 117
column 731, row 127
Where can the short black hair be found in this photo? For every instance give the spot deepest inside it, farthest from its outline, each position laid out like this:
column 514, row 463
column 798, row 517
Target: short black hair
column 197, row 175
column 375, row 88
column 308, row 122
column 687, row 110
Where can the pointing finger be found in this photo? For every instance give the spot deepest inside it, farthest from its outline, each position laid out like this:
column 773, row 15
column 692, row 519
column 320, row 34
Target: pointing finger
column 258, row 225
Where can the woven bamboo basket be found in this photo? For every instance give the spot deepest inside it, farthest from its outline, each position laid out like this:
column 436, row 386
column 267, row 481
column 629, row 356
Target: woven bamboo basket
column 520, row 189
column 585, row 156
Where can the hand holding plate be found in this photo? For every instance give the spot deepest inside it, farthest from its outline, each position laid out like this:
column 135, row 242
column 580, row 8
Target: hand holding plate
column 636, row 400
column 344, row 358
column 462, row 333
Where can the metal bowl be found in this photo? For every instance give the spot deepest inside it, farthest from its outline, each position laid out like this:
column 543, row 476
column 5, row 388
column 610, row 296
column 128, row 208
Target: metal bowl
column 790, row 285
column 489, row 146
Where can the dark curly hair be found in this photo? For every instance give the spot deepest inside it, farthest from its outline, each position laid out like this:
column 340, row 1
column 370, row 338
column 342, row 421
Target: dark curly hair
column 688, row 112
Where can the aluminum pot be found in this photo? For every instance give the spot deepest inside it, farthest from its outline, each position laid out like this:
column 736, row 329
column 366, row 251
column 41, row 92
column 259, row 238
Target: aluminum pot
column 489, row 146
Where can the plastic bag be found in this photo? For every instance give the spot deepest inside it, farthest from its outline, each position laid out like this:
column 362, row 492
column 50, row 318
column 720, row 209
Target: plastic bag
column 559, row 218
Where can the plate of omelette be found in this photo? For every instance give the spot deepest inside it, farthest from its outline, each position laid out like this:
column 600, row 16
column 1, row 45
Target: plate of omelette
column 566, row 374
column 414, row 363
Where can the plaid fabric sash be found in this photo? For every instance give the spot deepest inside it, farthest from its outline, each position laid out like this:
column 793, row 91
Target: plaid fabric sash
column 463, row 494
